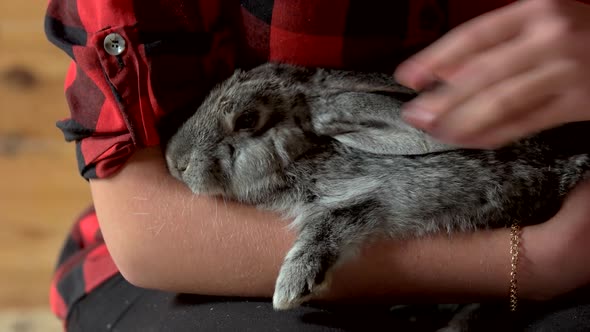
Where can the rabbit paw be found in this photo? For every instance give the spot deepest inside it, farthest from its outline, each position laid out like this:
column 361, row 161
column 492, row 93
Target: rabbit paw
column 297, row 282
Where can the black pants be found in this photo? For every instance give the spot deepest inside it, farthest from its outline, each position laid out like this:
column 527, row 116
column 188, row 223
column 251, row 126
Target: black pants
column 120, row 306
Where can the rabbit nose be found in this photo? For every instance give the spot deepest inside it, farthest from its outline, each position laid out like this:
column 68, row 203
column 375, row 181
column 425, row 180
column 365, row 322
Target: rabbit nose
column 182, row 167
column 178, row 167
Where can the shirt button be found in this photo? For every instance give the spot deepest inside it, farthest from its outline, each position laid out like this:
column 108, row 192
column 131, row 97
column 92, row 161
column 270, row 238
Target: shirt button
column 114, row 44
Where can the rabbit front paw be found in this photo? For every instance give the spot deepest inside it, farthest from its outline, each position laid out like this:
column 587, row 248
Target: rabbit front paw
column 298, row 281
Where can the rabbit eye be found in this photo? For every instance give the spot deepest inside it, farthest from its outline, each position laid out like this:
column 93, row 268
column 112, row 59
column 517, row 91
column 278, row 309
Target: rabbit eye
column 246, row 121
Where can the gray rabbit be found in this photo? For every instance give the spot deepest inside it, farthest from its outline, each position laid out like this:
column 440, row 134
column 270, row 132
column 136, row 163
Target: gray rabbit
column 328, row 149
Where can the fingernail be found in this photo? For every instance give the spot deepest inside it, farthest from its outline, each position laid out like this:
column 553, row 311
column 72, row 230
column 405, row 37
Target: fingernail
column 452, row 134
column 418, row 116
column 413, row 75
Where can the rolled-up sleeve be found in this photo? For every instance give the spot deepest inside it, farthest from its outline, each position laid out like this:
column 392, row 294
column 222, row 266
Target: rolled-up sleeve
column 134, row 64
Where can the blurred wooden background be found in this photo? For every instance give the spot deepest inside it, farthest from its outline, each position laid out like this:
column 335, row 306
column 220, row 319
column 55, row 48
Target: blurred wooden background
column 40, row 191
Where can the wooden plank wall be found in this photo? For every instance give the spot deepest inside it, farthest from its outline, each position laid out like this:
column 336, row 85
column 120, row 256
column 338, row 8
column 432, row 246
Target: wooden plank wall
column 40, row 191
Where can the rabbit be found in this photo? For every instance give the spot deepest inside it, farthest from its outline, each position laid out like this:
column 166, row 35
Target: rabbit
column 328, row 149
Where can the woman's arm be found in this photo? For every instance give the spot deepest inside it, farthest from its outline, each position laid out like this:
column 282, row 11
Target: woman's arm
column 162, row 236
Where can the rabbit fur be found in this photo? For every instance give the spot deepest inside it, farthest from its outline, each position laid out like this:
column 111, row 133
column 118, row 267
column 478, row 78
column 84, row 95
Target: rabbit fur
column 328, row 149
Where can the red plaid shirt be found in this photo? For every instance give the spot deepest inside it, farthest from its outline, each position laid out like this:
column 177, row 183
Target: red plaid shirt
column 136, row 62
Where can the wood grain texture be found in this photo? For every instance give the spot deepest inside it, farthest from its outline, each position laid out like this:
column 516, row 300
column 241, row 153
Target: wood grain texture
column 41, row 192
column 30, row 320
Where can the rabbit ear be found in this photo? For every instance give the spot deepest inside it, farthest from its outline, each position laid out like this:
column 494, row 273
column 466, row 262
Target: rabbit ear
column 370, row 122
column 378, row 83
column 361, row 110
column 333, row 80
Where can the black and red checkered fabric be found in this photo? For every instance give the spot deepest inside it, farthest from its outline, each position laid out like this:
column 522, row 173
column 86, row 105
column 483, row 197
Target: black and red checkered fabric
column 176, row 50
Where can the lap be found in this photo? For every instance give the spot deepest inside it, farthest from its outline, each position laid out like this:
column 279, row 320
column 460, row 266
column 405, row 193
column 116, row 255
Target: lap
column 119, row 306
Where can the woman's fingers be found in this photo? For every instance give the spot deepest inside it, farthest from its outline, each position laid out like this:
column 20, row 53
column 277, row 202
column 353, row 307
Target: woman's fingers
column 509, row 110
column 461, row 44
column 483, row 71
column 528, row 123
column 503, row 71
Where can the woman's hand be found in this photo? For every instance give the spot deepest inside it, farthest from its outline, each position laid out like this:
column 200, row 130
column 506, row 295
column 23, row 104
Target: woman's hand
column 507, row 74
column 557, row 252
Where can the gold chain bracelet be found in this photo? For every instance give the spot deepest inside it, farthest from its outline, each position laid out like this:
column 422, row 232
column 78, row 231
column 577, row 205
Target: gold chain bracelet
column 514, row 257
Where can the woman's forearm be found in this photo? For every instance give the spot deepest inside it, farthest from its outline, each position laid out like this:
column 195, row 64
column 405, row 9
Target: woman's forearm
column 441, row 268
column 161, row 236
